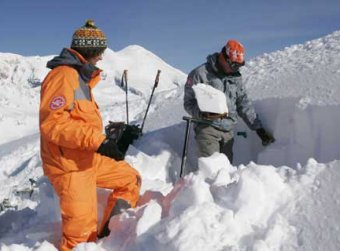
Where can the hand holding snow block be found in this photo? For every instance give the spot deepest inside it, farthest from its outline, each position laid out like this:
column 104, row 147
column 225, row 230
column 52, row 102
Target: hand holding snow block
column 210, row 99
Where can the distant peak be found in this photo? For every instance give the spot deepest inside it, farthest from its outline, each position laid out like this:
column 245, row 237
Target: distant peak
column 135, row 47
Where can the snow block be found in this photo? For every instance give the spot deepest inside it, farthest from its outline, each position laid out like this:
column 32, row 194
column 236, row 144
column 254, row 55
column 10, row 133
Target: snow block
column 210, row 166
column 210, row 99
column 151, row 215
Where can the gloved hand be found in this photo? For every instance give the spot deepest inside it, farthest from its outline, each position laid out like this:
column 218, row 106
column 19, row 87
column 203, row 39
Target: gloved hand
column 131, row 133
column 110, row 149
column 266, row 137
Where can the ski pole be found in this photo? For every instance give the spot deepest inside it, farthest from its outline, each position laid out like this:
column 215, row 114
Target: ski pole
column 147, row 109
column 187, row 138
column 186, row 142
column 124, row 81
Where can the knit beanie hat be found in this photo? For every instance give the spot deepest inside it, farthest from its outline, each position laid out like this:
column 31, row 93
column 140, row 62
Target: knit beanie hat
column 89, row 36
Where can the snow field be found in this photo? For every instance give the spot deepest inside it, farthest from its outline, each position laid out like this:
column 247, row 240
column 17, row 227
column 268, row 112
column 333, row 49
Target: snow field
column 283, row 197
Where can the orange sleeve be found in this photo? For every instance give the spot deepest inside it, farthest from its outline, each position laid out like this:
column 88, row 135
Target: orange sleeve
column 56, row 123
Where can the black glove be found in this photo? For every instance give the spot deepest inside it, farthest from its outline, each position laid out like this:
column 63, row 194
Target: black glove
column 131, row 133
column 266, row 137
column 110, row 149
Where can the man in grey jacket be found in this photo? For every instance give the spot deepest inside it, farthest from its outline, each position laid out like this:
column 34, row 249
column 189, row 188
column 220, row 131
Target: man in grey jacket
column 221, row 71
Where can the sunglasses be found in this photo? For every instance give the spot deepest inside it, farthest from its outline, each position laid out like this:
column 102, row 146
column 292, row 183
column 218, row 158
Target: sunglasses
column 235, row 66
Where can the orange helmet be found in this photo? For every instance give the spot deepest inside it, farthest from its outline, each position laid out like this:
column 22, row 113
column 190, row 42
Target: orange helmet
column 234, row 50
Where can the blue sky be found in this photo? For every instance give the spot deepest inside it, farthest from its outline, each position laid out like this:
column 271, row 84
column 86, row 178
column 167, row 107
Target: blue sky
column 182, row 32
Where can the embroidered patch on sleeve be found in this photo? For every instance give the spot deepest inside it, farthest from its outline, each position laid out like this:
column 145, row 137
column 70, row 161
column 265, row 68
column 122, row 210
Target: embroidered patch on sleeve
column 57, row 102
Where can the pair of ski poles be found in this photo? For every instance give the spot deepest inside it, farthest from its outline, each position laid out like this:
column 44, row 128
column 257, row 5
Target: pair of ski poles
column 124, row 81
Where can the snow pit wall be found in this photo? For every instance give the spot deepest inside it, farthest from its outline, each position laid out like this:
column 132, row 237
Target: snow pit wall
column 301, row 130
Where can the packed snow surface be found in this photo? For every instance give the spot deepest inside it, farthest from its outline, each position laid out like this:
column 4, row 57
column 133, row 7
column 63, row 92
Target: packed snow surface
column 282, row 197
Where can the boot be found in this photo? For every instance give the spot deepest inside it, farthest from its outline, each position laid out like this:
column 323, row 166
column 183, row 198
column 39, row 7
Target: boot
column 117, row 209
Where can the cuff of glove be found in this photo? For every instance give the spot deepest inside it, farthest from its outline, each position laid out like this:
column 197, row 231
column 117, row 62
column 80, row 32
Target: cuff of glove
column 110, row 149
column 260, row 132
column 266, row 137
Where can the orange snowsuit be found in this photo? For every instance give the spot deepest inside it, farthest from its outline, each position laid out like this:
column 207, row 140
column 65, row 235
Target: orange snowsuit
column 71, row 132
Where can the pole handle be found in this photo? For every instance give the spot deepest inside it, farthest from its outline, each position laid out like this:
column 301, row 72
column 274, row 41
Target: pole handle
column 122, row 81
column 186, row 118
column 125, row 74
column 153, row 89
column 157, row 78
column 125, row 77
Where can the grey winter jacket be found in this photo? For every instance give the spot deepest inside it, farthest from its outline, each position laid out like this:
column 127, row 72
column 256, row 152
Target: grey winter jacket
column 232, row 86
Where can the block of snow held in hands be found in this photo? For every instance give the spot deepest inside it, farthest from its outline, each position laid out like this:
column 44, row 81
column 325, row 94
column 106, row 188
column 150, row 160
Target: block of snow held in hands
column 210, row 99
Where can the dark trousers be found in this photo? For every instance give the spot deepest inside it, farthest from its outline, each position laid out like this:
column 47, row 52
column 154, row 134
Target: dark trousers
column 210, row 140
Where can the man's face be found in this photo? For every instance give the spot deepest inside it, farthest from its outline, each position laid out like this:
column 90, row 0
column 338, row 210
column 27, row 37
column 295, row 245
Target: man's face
column 96, row 59
column 226, row 65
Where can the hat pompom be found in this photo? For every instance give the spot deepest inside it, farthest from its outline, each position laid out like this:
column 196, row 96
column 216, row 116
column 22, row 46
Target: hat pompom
column 90, row 24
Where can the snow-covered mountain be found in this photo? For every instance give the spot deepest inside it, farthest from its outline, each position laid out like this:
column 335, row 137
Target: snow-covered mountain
column 20, row 79
column 283, row 197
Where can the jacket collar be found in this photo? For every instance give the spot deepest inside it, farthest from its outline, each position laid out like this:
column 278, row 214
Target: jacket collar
column 213, row 65
column 73, row 59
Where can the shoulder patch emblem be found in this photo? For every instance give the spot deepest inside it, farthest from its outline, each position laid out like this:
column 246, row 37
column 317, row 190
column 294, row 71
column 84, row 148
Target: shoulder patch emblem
column 57, row 102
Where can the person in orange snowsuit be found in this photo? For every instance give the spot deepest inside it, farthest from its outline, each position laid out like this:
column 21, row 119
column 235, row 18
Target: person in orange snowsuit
column 77, row 157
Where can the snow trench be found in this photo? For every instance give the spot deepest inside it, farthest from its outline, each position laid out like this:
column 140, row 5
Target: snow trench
column 301, row 130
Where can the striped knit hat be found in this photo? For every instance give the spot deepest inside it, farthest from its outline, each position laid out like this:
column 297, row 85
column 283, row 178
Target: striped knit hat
column 89, row 36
